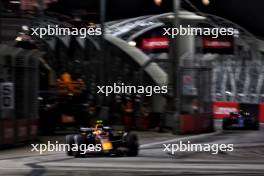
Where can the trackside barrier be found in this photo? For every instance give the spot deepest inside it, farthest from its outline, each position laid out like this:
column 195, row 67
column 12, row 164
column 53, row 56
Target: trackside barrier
column 19, row 130
column 33, row 128
column 7, row 131
column 261, row 113
column 196, row 123
column 18, row 95
column 128, row 122
column 144, row 122
column 222, row 109
column 22, row 129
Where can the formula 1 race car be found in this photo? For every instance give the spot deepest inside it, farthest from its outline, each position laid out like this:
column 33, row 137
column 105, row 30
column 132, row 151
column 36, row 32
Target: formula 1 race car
column 240, row 120
column 102, row 140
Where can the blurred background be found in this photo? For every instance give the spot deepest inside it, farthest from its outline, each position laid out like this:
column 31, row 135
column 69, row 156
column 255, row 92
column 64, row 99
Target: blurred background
column 48, row 86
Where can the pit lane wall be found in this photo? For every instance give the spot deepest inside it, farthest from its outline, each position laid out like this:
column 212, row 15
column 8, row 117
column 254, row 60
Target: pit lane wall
column 222, row 109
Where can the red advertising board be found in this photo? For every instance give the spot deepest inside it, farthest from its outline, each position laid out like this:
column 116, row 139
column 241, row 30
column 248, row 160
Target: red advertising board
column 155, row 43
column 217, row 43
column 220, row 45
column 222, row 109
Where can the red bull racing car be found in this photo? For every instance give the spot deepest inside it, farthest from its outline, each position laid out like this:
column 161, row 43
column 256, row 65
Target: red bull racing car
column 102, row 140
column 240, row 120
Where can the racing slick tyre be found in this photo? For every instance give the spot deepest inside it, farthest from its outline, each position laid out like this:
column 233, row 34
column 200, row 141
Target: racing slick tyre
column 225, row 124
column 78, row 140
column 69, row 140
column 251, row 125
column 132, row 144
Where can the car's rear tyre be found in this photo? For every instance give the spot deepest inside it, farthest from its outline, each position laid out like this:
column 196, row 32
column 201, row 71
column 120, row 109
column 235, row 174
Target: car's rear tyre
column 69, row 139
column 78, row 140
column 251, row 125
column 132, row 144
column 225, row 124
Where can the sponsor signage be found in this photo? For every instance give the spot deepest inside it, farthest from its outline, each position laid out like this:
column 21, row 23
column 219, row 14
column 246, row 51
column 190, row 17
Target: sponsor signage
column 219, row 45
column 155, row 43
column 223, row 109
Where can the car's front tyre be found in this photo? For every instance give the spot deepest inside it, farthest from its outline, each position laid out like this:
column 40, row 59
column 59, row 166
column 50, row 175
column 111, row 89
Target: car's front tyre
column 132, row 144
